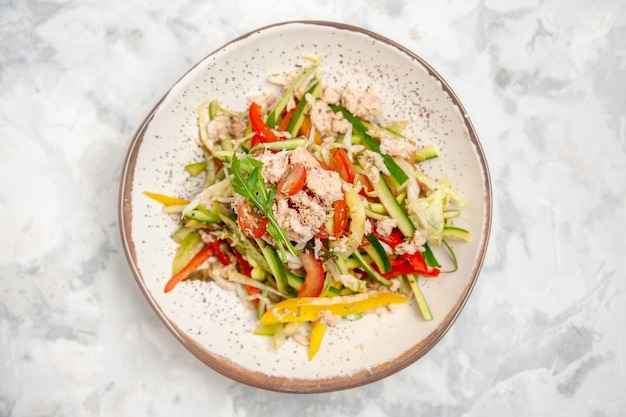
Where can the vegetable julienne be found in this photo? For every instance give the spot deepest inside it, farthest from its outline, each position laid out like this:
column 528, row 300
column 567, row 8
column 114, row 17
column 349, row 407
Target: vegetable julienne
column 311, row 210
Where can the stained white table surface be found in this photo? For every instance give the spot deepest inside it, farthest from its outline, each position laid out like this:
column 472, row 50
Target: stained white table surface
column 544, row 332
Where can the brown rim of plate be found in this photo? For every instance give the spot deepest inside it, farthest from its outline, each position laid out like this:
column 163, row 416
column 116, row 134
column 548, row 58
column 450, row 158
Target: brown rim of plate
column 230, row 369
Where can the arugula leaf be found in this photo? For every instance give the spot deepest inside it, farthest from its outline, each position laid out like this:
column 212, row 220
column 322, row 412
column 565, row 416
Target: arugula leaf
column 248, row 182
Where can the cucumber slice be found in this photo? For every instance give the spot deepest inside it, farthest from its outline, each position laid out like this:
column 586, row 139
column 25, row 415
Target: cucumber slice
column 180, row 234
column 213, row 107
column 378, row 254
column 276, row 267
column 195, row 168
column 302, row 109
column 268, row 329
column 272, row 119
column 248, row 248
column 372, row 144
column 203, row 216
column 449, row 214
column 425, row 153
column 188, row 248
column 419, row 297
column 429, row 257
column 279, row 145
column 294, row 281
column 455, row 233
column 394, row 208
column 365, row 266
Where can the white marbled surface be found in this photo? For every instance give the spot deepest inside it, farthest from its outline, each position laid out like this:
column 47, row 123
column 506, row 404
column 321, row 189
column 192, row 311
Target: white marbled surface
column 544, row 333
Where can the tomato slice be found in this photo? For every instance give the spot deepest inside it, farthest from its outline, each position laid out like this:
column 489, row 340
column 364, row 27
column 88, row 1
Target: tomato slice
column 340, row 162
column 314, row 280
column 340, row 208
column 293, row 180
column 263, row 133
column 251, row 222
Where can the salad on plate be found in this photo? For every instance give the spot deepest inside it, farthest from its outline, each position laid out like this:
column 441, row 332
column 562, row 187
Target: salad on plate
column 312, row 210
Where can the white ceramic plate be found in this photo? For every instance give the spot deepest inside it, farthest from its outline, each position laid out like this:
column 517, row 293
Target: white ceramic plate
column 211, row 322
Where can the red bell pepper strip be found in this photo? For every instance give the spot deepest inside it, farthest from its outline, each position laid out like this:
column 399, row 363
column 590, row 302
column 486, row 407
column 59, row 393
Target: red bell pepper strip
column 393, row 239
column 285, row 122
column 221, row 256
column 322, row 233
column 406, row 263
column 242, row 264
column 416, row 260
column 314, row 280
column 205, row 253
column 410, row 264
column 365, row 182
column 253, row 291
column 340, row 208
column 263, row 133
column 340, row 162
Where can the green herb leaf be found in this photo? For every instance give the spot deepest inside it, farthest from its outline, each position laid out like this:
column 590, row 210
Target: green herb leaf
column 248, row 182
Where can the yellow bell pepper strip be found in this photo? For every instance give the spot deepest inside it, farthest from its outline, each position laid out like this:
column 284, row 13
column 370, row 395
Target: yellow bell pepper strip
column 315, row 342
column 166, row 200
column 356, row 213
column 309, row 308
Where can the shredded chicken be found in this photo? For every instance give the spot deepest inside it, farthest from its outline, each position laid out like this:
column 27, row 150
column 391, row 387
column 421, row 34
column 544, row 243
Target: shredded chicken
column 301, row 215
column 416, row 244
column 321, row 114
column 341, row 245
column 303, row 156
column 286, row 79
column 304, row 213
column 331, row 96
column 238, row 127
column 376, row 165
column 385, row 226
column 325, row 184
column 368, row 227
column 394, row 146
column 329, row 318
column 366, row 105
column 217, row 128
column 274, row 165
column 264, row 101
